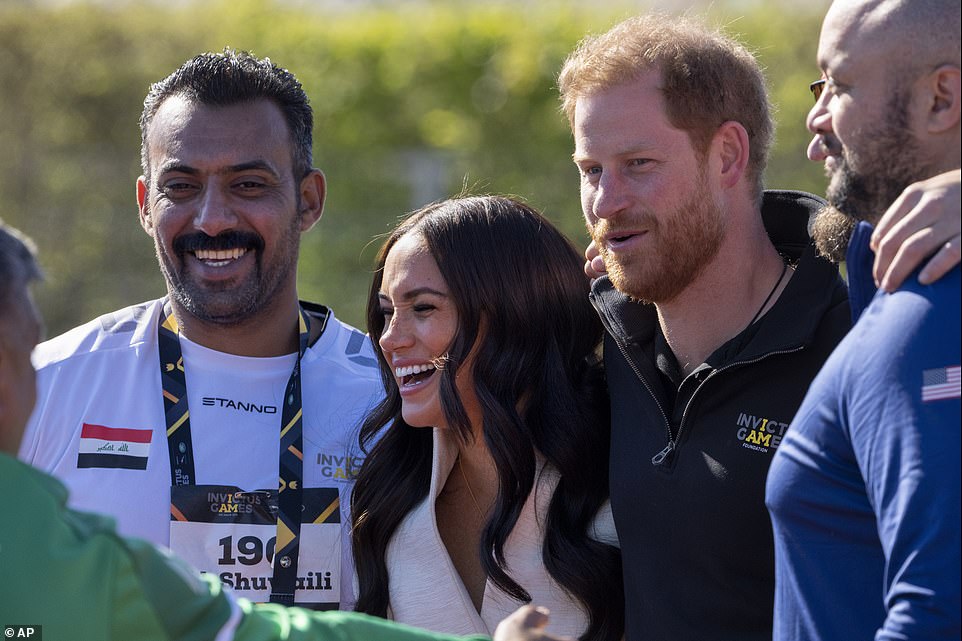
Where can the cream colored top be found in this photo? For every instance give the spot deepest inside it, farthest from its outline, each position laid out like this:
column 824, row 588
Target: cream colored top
column 425, row 588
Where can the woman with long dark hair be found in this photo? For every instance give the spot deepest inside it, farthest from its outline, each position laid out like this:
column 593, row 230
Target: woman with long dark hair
column 480, row 316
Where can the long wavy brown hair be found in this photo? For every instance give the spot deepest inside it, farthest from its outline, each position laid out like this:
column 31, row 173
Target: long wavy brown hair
column 510, row 268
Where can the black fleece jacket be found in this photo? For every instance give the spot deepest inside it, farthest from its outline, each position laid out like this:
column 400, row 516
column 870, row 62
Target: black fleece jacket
column 688, row 464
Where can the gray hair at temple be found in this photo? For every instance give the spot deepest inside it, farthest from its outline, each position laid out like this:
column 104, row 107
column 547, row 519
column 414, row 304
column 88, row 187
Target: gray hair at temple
column 18, row 263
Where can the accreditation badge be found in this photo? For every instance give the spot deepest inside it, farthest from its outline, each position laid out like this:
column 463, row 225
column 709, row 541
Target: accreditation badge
column 230, row 532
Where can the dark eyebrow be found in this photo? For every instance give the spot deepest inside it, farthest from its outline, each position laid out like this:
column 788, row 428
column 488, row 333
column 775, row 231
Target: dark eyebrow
column 174, row 165
column 414, row 293
column 253, row 165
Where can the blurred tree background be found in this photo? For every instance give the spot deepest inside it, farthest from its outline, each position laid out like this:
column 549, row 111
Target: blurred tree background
column 413, row 102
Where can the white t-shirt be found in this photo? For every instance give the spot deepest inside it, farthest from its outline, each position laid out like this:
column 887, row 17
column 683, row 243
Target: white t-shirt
column 99, row 387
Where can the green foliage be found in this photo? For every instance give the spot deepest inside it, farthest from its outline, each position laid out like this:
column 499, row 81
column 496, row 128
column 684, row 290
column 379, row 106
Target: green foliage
column 413, row 103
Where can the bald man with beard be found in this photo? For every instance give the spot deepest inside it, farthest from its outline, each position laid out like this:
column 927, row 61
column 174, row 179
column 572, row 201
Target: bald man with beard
column 864, row 491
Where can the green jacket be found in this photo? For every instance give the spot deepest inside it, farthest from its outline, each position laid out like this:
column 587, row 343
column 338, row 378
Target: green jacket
column 70, row 573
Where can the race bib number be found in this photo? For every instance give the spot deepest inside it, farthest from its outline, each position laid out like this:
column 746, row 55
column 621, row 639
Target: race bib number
column 231, row 533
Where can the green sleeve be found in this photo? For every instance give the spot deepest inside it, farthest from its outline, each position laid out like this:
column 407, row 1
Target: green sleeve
column 164, row 590
column 73, row 574
column 268, row 621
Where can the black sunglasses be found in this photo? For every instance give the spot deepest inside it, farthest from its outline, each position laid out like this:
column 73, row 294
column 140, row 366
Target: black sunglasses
column 817, row 88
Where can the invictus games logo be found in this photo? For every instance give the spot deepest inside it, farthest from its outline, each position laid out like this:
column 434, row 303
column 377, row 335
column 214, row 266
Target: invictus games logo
column 237, row 502
column 759, row 433
column 339, row 468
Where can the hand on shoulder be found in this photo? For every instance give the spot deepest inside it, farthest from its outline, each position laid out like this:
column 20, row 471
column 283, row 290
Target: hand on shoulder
column 924, row 221
column 594, row 265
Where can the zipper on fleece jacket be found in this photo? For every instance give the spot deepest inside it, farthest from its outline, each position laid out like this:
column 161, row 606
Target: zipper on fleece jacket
column 662, row 456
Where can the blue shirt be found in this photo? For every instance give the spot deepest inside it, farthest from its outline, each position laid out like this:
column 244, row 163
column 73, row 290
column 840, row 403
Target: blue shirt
column 864, row 491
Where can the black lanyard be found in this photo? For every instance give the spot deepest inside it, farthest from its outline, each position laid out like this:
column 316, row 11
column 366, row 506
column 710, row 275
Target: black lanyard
column 291, row 463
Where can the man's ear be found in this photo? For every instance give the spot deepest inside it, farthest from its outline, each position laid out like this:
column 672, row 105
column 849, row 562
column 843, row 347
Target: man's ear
column 728, row 153
column 143, row 206
column 943, row 87
column 313, row 190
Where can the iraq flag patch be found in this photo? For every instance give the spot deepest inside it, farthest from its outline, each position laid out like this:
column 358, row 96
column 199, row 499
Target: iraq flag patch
column 113, row 447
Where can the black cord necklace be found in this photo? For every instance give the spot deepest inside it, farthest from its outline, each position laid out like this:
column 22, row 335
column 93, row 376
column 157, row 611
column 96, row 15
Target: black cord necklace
column 770, row 294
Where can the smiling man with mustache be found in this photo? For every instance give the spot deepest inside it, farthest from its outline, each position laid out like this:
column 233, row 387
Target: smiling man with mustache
column 126, row 414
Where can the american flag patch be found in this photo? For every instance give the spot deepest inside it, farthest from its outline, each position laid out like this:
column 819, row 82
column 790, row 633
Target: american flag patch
column 113, row 447
column 940, row 383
